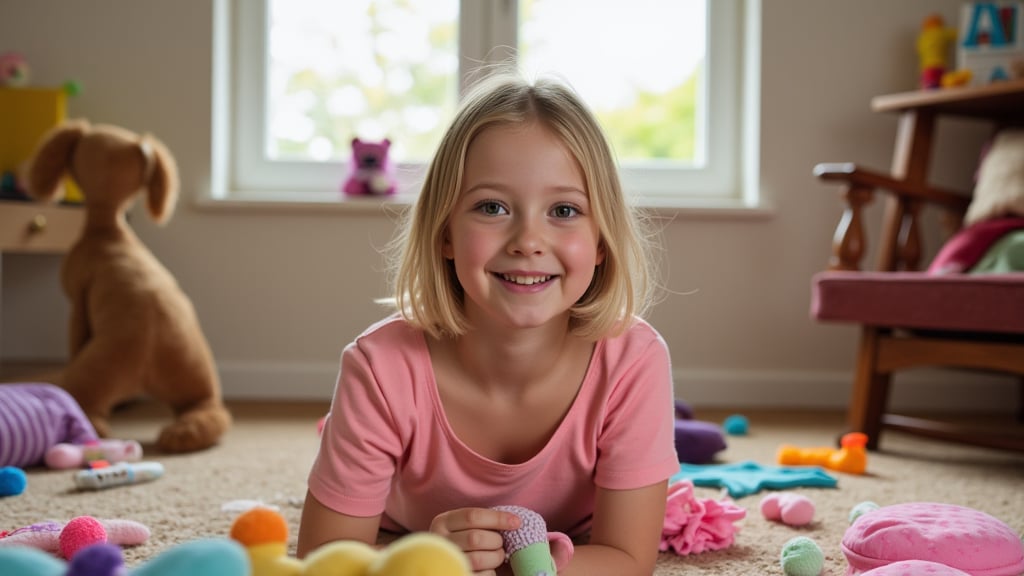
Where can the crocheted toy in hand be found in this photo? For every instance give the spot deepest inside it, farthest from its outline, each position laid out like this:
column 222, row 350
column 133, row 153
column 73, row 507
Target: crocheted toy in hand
column 41, row 423
column 133, row 330
column 527, row 547
column 370, row 170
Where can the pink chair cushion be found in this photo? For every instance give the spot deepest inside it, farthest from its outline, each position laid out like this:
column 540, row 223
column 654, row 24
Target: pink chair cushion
column 915, row 568
column 957, row 302
column 963, row 538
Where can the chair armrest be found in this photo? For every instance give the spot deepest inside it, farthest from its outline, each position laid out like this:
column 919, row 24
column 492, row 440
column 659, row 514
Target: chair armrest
column 900, row 246
column 854, row 175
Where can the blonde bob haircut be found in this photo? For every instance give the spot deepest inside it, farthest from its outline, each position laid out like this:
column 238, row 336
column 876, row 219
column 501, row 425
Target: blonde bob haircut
column 426, row 290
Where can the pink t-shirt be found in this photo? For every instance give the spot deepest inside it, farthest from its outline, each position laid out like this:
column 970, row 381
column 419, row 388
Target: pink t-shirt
column 388, row 448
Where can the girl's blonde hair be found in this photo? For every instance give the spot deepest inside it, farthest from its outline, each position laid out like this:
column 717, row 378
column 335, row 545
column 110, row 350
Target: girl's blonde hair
column 426, row 290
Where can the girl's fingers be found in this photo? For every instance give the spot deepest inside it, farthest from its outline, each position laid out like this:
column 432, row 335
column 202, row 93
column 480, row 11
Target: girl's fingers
column 485, row 561
column 474, row 518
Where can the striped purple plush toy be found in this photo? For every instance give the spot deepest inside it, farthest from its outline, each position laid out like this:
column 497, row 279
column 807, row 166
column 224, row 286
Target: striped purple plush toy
column 527, row 547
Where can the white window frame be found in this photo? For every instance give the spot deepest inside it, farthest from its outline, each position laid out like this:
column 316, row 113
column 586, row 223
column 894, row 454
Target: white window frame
column 242, row 173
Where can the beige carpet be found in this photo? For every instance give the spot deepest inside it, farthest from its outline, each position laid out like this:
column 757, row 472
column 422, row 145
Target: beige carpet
column 267, row 455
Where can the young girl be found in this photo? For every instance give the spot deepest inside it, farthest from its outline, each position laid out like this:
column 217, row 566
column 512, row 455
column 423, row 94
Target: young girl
column 516, row 370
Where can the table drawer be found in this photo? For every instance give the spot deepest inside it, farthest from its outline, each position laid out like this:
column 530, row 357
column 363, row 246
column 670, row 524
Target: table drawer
column 39, row 228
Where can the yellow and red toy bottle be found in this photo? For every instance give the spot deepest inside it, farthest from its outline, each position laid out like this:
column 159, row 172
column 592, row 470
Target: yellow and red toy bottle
column 933, row 50
column 851, row 457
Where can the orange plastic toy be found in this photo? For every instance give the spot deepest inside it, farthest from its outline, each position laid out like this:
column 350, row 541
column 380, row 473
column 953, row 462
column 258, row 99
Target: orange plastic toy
column 851, row 458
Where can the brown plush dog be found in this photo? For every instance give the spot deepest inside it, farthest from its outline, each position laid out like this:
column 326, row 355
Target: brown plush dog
column 132, row 331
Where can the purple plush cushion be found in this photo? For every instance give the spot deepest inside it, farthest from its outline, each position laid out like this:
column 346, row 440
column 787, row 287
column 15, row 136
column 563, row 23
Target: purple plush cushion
column 959, row 537
column 971, row 303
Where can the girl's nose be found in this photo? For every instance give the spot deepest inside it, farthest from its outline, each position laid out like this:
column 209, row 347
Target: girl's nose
column 527, row 238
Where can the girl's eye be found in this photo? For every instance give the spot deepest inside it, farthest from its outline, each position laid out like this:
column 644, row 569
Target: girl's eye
column 565, row 211
column 490, row 208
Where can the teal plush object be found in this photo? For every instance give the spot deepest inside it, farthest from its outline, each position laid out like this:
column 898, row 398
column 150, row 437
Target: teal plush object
column 745, row 478
column 12, row 481
column 736, row 425
column 207, row 557
column 802, row 556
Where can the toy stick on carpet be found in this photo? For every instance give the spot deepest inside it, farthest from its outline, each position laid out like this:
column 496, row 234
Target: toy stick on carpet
column 527, row 547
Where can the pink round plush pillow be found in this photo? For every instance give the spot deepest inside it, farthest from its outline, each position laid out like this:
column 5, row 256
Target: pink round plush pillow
column 962, row 538
column 915, row 568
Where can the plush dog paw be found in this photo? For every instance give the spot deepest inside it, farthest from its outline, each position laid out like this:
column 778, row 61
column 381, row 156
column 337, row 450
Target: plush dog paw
column 195, row 430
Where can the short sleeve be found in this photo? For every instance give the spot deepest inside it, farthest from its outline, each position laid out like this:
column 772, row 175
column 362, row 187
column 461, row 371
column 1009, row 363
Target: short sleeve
column 359, row 445
column 637, row 445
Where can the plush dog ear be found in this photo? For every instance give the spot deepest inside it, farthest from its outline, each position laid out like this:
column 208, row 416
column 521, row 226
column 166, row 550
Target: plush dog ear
column 53, row 158
column 160, row 177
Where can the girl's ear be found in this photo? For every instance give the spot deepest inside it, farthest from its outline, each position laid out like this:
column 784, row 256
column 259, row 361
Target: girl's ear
column 446, row 245
column 600, row 253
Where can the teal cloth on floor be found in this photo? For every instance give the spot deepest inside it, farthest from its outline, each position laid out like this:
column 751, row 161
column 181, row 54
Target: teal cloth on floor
column 745, row 478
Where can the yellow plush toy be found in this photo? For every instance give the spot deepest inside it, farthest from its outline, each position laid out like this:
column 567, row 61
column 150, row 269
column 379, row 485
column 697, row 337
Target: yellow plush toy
column 264, row 534
column 133, row 331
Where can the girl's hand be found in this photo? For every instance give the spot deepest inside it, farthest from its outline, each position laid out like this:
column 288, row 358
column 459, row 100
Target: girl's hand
column 476, row 532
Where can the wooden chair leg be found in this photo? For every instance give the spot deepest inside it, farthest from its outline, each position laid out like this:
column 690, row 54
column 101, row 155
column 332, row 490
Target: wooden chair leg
column 1020, row 399
column 870, row 393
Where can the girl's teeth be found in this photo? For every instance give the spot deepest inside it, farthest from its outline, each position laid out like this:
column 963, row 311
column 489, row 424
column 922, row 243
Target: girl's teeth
column 526, row 280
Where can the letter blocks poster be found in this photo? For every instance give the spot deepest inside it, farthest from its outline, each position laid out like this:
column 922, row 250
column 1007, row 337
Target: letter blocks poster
column 991, row 43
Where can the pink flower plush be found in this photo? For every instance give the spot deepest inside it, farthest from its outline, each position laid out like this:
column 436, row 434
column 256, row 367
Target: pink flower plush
column 955, row 536
column 694, row 525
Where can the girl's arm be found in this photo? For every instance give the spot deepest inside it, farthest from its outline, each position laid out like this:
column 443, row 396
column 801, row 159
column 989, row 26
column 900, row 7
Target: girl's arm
column 625, row 533
column 320, row 525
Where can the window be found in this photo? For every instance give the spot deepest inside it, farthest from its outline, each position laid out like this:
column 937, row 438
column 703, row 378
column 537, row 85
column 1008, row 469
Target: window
column 663, row 77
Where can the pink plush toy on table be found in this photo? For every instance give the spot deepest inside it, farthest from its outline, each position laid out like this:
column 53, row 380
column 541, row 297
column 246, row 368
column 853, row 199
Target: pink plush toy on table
column 41, row 423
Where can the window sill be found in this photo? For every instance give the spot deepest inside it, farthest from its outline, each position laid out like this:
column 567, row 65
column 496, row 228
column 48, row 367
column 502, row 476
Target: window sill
column 313, row 202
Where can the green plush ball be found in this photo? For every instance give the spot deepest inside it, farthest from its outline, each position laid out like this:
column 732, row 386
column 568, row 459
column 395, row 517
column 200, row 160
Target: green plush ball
column 861, row 509
column 801, row 556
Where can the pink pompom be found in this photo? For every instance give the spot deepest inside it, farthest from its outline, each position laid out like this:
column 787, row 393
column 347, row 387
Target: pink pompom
column 80, row 532
column 694, row 525
column 789, row 508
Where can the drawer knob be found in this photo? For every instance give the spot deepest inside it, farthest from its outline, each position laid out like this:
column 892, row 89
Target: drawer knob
column 37, row 224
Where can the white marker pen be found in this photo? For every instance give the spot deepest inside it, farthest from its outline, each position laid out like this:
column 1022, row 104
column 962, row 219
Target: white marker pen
column 118, row 474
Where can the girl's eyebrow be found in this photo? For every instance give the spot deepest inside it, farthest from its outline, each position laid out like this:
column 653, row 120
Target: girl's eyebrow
column 499, row 187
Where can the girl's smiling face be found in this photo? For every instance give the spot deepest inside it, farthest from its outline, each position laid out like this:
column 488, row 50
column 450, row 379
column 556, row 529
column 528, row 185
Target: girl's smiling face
column 522, row 236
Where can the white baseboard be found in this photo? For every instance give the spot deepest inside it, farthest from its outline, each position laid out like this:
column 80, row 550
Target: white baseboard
column 925, row 390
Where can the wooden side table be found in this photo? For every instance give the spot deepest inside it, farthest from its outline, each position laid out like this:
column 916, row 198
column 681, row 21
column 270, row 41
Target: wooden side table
column 32, row 228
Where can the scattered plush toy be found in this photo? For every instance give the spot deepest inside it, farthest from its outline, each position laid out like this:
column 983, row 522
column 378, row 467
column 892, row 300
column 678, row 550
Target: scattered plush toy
column 697, row 441
column 137, row 332
column 207, row 557
column 790, row 508
column 64, row 539
column 959, row 537
column 264, row 535
column 12, row 481
column 748, row 477
column 370, row 169
column 736, row 425
column 14, row 70
column 695, row 525
column 934, row 44
column 41, row 423
column 861, row 509
column 527, row 548
column 801, row 556
column 851, row 457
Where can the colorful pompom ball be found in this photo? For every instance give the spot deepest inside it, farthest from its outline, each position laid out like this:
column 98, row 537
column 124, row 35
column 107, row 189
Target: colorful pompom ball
column 12, row 481
column 736, row 425
column 801, row 556
column 97, row 560
column 861, row 509
column 78, row 533
column 259, row 526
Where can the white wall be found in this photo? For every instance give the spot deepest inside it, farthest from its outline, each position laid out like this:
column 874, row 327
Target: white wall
column 279, row 294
